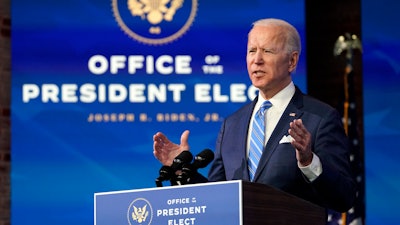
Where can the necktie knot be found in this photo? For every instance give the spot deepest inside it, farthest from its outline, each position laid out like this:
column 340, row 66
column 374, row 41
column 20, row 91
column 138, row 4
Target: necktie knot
column 266, row 105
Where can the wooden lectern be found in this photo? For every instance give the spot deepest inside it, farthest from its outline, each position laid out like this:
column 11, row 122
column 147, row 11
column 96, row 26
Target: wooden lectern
column 266, row 205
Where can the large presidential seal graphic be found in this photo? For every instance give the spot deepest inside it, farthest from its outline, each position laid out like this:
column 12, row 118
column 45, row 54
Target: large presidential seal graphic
column 140, row 212
column 154, row 22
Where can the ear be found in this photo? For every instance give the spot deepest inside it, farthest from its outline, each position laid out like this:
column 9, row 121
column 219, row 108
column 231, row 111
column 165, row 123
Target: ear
column 293, row 60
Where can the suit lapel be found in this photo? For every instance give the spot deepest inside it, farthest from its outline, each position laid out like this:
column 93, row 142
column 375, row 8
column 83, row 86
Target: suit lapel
column 291, row 112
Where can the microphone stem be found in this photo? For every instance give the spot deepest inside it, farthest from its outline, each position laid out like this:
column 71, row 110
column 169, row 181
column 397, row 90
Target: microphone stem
column 159, row 183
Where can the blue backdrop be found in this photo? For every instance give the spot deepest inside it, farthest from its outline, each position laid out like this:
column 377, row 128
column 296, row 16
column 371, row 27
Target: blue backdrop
column 92, row 81
column 381, row 75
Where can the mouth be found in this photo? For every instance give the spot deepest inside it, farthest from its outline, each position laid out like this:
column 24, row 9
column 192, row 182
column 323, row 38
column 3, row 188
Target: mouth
column 258, row 73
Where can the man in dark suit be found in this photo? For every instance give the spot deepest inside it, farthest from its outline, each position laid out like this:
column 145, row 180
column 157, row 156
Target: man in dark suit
column 304, row 148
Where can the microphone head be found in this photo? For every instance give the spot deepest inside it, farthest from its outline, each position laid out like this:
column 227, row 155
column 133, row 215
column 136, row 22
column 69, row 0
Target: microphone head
column 186, row 174
column 187, row 169
column 202, row 159
column 183, row 158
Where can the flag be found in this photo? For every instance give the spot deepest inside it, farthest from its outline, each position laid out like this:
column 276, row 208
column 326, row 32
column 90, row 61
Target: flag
column 356, row 215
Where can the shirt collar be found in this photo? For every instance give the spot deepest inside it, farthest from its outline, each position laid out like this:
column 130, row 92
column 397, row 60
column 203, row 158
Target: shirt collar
column 281, row 99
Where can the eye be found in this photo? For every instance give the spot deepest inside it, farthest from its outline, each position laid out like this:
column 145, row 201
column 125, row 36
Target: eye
column 268, row 51
column 251, row 50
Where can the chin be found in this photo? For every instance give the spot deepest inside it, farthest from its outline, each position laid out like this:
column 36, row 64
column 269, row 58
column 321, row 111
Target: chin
column 258, row 83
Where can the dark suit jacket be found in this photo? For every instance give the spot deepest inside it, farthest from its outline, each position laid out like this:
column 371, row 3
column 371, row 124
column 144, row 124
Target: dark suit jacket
column 334, row 188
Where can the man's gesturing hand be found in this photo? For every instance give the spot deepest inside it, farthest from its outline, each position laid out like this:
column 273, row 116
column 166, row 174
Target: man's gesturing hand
column 165, row 151
column 301, row 142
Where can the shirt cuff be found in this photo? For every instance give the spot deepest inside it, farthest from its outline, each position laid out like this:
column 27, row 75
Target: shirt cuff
column 313, row 170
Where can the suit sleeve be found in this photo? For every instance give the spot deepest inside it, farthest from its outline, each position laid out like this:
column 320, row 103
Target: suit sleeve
column 217, row 171
column 335, row 186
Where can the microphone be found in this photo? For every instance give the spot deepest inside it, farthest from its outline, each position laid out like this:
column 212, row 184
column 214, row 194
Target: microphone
column 183, row 158
column 166, row 173
column 201, row 160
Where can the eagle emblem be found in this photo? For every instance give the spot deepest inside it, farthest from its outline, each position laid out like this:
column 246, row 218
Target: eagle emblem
column 154, row 22
column 154, row 11
column 140, row 214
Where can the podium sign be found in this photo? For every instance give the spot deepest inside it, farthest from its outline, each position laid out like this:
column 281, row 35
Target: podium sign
column 207, row 203
column 226, row 202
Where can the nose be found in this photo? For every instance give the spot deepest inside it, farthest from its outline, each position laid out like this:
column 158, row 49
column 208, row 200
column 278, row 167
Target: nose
column 258, row 58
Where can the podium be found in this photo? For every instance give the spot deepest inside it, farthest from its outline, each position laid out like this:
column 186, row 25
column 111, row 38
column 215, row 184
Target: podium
column 214, row 203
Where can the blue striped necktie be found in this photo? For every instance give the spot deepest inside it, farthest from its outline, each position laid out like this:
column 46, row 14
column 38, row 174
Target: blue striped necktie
column 257, row 139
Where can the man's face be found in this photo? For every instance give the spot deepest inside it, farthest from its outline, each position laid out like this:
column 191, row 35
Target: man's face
column 269, row 65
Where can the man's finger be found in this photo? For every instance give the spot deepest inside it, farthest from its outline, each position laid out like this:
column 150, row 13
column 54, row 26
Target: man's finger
column 185, row 138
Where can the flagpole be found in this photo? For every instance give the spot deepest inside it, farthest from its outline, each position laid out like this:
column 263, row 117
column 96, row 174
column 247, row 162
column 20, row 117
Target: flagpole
column 346, row 104
column 346, row 43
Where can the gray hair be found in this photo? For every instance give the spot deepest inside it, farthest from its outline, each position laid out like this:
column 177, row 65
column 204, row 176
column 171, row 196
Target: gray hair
column 293, row 42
